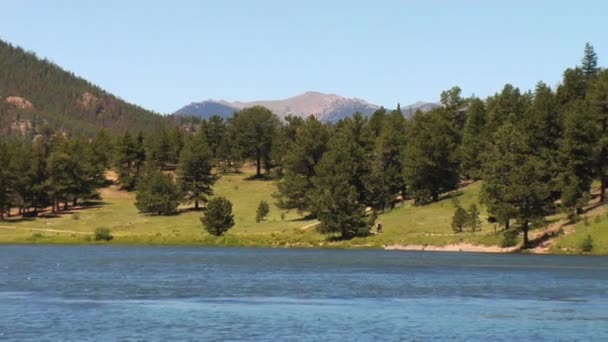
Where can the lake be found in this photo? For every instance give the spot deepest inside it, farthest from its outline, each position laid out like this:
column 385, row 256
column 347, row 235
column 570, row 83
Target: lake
column 77, row 293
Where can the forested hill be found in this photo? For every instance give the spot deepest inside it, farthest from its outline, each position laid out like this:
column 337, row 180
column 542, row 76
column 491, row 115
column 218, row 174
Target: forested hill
column 35, row 93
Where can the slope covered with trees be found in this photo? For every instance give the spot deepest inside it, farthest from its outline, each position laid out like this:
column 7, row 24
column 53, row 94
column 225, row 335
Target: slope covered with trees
column 36, row 93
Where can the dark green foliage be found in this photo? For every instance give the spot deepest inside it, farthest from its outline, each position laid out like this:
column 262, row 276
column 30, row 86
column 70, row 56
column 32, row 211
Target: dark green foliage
column 598, row 99
column 218, row 218
column 102, row 234
column 7, row 179
column 386, row 179
column 589, row 62
column 336, row 198
column 473, row 140
column 431, row 165
column 295, row 189
column 460, row 219
column 517, row 183
column 157, row 194
column 262, row 211
column 576, row 158
column 509, row 238
column 255, row 128
column 194, row 171
column 473, row 221
column 62, row 100
column 215, row 131
column 587, row 244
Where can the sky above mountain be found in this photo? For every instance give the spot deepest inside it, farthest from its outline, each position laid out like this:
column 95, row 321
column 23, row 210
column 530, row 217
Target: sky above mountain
column 163, row 55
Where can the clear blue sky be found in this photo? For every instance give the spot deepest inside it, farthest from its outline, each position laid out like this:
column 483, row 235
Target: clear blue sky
column 163, row 55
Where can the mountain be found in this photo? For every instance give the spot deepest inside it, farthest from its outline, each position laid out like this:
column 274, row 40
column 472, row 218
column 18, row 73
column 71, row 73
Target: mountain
column 326, row 107
column 35, row 93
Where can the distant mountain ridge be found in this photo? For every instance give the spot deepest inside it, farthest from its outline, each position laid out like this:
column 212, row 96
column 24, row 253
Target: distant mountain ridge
column 325, row 107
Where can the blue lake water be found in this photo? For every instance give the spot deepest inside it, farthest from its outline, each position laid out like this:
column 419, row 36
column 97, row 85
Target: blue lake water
column 78, row 293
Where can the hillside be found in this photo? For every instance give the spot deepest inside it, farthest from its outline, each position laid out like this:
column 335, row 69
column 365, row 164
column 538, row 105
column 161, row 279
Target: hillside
column 35, row 92
column 326, row 107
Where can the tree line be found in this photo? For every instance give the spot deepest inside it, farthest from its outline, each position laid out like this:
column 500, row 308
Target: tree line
column 537, row 152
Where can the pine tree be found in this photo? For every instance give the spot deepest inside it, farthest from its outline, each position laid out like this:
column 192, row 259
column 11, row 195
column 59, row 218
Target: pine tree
column 295, row 189
column 126, row 154
column 473, row 220
column 473, row 140
column 218, row 218
column 589, row 62
column 157, row 193
column 459, row 220
column 576, row 157
column 386, row 179
column 215, row 131
column 194, row 170
column 336, row 198
column 598, row 98
column 516, row 181
column 255, row 127
column 430, row 165
column 7, row 179
column 262, row 211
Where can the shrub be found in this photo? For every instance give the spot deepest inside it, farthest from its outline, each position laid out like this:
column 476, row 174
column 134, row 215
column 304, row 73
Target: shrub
column 218, row 218
column 587, row 244
column 262, row 212
column 75, row 216
column 103, row 234
column 509, row 238
column 459, row 220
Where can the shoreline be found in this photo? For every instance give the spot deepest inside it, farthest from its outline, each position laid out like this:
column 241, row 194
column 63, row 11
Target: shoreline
column 451, row 248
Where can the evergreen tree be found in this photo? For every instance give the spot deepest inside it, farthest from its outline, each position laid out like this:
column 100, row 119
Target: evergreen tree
column 157, row 193
column 473, row 220
column 430, row 165
column 598, row 98
column 6, row 180
column 473, row 140
column 516, row 181
column 255, row 127
column 453, row 108
column 573, row 86
column 336, row 199
column 126, row 154
column 194, row 171
column 63, row 173
column 589, row 62
column 376, row 121
column 576, row 158
column 158, row 149
column 215, row 131
column 386, row 179
column 262, row 211
column 459, row 220
column 218, row 218
column 295, row 189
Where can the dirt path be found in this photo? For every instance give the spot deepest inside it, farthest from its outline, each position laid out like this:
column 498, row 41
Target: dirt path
column 312, row 225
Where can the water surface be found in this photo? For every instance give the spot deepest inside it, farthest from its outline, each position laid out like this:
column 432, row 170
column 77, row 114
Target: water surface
column 102, row 293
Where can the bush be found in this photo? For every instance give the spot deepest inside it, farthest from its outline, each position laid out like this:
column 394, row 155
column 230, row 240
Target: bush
column 157, row 194
column 103, row 234
column 459, row 220
column 218, row 218
column 587, row 244
column 262, row 212
column 509, row 238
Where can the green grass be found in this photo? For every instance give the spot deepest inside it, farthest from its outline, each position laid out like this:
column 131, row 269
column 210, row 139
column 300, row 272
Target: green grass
column 426, row 225
column 571, row 243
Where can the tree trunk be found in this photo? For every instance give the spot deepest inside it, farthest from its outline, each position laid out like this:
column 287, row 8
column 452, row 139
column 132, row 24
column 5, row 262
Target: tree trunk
column 507, row 224
column 196, row 204
column 75, row 202
column 525, row 229
column 259, row 165
column 65, row 205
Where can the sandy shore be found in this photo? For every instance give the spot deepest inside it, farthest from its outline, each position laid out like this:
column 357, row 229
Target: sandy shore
column 461, row 247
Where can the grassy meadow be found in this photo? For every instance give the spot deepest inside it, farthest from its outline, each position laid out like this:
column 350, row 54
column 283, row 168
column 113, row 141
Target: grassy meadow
column 406, row 224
